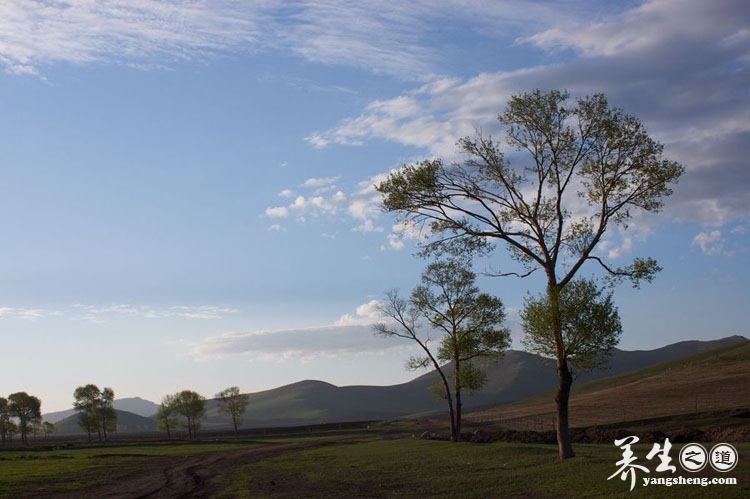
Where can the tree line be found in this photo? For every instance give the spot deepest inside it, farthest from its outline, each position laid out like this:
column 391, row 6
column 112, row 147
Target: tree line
column 20, row 413
column 192, row 407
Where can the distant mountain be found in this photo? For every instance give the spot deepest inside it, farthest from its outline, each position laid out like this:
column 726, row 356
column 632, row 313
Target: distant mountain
column 136, row 405
column 126, row 421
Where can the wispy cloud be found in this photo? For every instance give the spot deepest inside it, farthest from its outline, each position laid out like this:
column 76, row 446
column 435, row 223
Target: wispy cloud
column 351, row 334
column 103, row 313
column 388, row 38
column 23, row 313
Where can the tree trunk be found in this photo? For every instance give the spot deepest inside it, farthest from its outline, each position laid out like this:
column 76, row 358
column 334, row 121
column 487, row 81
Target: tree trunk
column 564, row 444
column 565, row 378
column 457, row 391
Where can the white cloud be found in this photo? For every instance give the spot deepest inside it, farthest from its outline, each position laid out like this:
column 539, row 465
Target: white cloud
column 277, row 212
column 276, row 228
column 320, row 182
column 710, row 243
column 286, row 193
column 365, row 314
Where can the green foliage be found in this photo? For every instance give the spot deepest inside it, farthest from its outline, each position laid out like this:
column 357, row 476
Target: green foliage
column 590, row 325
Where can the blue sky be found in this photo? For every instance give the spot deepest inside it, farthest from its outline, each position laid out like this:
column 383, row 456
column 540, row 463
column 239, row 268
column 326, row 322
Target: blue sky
column 187, row 187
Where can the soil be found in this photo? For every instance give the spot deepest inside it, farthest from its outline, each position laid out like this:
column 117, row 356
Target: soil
column 198, row 476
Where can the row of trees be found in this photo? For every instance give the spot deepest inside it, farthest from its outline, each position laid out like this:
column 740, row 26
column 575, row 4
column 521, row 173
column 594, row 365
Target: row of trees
column 192, row 407
column 27, row 412
column 585, row 167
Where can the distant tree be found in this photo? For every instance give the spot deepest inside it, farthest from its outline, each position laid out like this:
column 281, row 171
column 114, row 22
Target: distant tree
column 589, row 321
column 586, row 167
column 106, row 411
column 232, row 402
column 86, row 400
column 166, row 415
column 96, row 411
column 468, row 321
column 27, row 409
column 5, row 421
column 49, row 428
column 193, row 406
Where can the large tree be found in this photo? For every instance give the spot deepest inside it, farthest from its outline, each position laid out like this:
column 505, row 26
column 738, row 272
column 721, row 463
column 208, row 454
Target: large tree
column 193, row 406
column 467, row 321
column 582, row 168
column 27, row 409
column 233, row 403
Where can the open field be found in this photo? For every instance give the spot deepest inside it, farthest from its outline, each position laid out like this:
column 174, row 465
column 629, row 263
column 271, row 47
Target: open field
column 704, row 382
column 367, row 467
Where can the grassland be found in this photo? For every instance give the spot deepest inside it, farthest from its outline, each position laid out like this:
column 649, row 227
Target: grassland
column 386, row 460
column 369, row 467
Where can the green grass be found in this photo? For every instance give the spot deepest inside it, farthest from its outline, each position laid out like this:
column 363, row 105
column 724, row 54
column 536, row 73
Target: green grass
column 420, row 468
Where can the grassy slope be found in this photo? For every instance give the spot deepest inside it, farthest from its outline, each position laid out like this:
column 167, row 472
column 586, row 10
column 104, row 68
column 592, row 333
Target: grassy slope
column 717, row 379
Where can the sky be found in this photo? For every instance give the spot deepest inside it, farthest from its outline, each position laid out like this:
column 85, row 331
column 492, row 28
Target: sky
column 187, row 187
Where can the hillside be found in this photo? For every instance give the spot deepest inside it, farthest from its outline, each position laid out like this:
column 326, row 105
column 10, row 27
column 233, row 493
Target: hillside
column 707, row 381
column 126, row 421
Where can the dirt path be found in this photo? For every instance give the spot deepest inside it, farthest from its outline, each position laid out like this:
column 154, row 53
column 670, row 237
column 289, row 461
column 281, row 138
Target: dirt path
column 196, row 476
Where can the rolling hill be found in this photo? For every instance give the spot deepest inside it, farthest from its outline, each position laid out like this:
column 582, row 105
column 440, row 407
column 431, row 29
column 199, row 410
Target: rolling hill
column 519, row 375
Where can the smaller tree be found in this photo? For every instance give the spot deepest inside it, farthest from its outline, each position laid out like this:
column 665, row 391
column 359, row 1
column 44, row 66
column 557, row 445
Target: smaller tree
column 193, row 406
column 27, row 409
column 468, row 321
column 166, row 415
column 590, row 325
column 49, row 428
column 233, row 403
